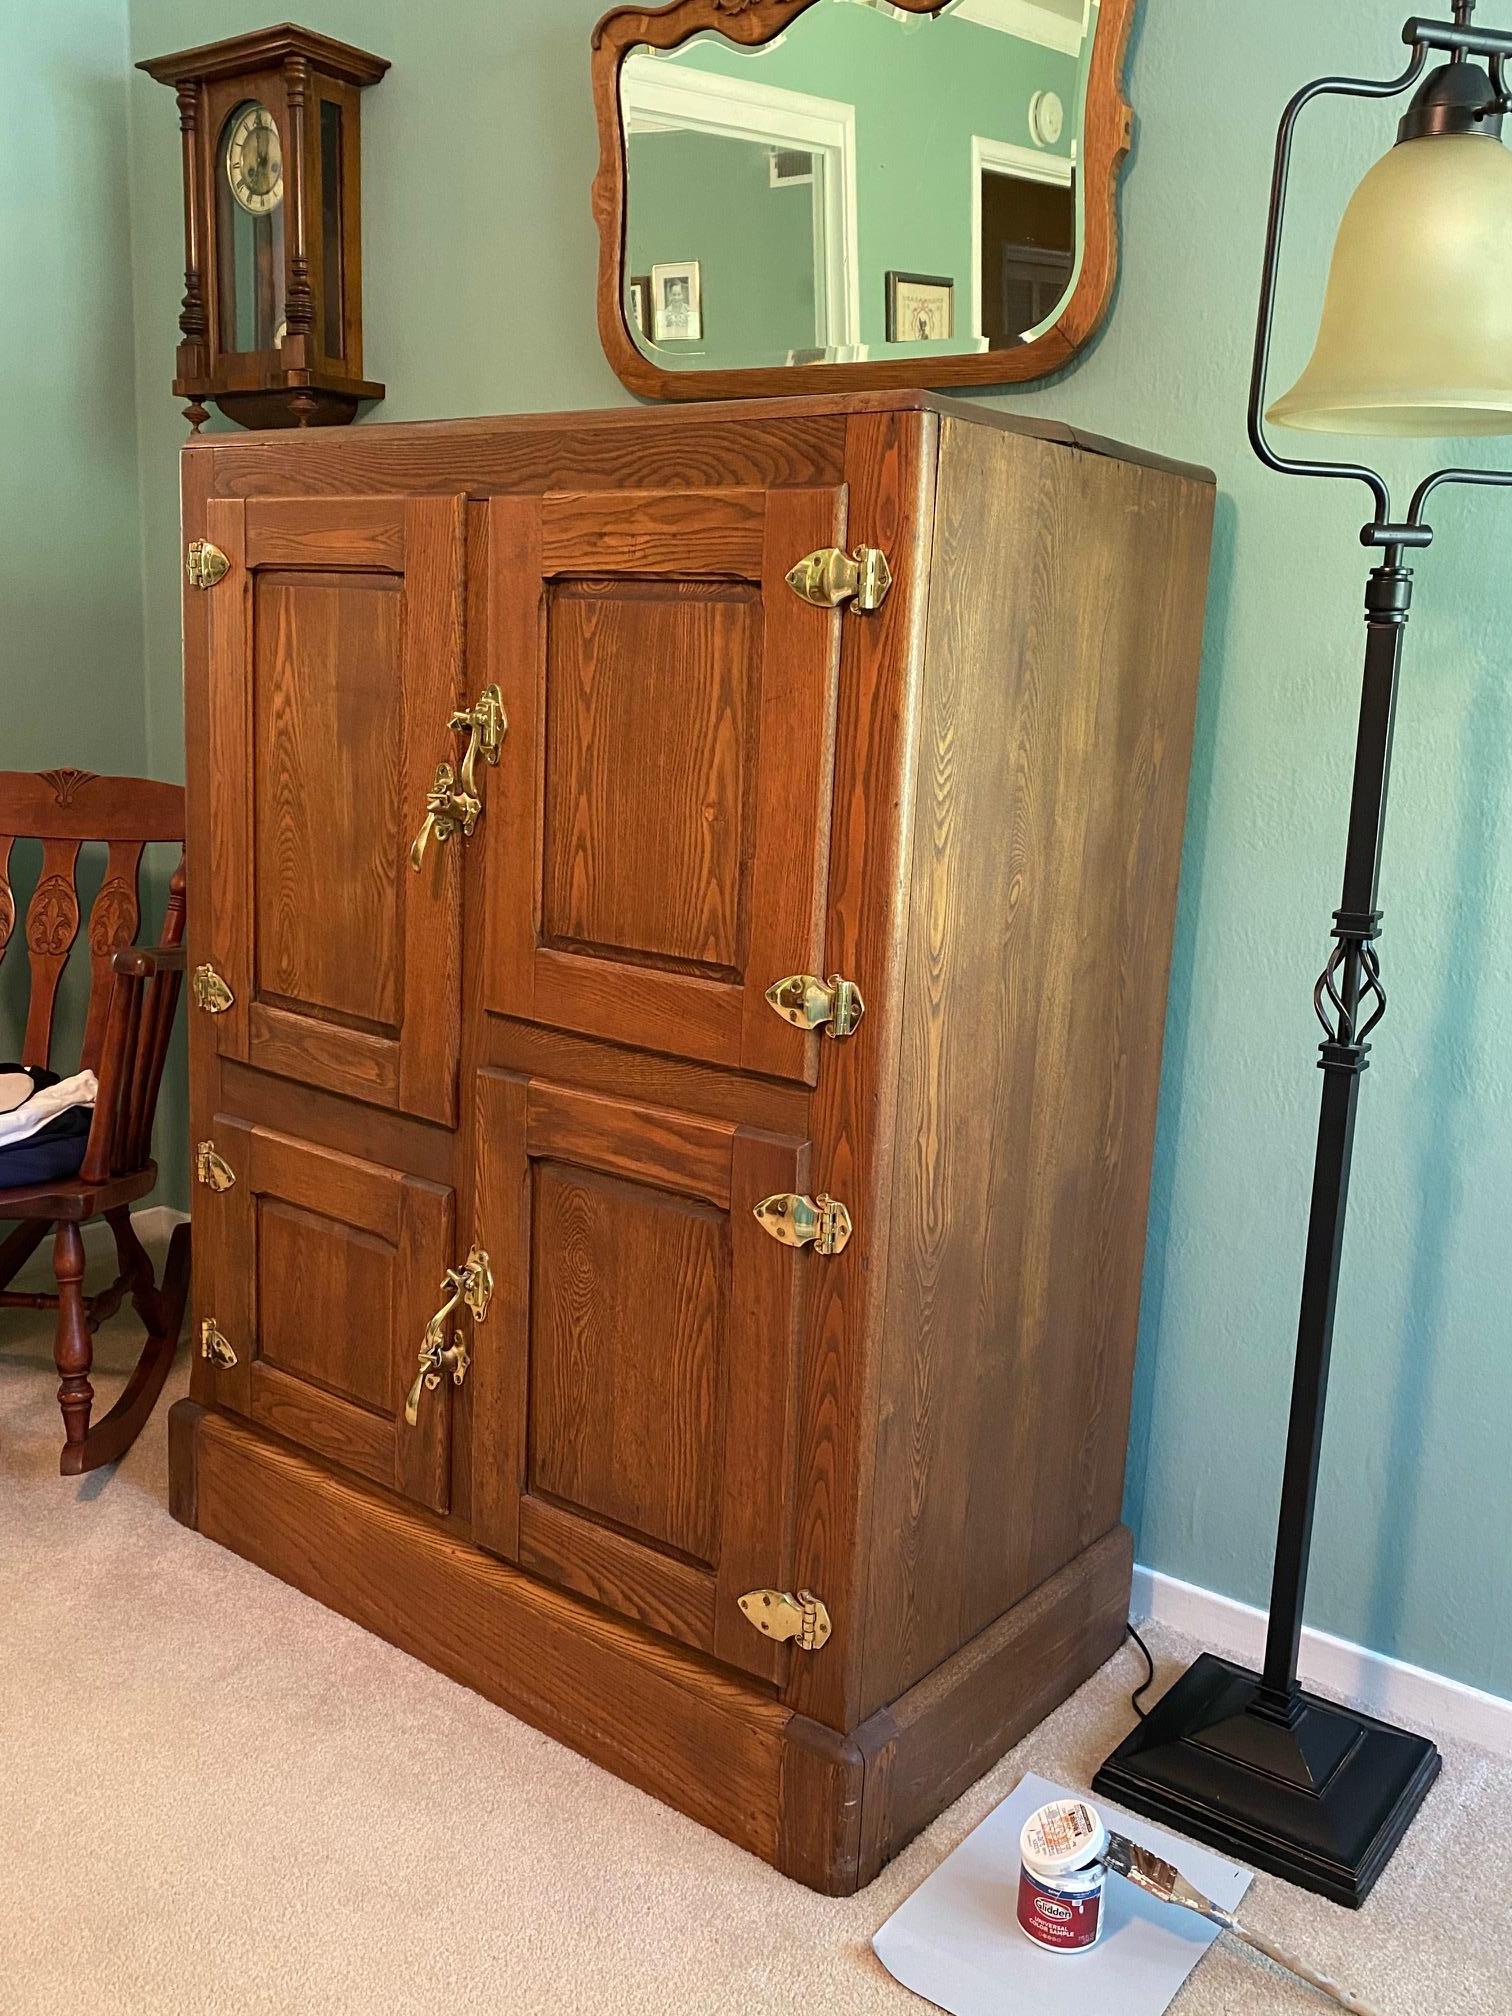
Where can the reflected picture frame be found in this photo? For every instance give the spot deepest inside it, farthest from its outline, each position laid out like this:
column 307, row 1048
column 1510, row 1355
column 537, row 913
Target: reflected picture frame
column 920, row 307
column 676, row 287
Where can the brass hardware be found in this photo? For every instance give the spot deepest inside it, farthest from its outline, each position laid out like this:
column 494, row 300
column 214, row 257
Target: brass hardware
column 453, row 807
column 819, row 1221
column 205, row 564
column 782, row 1616
column 214, row 1346
column 447, row 811
column 211, row 1170
column 834, row 1005
column 210, row 992
column 471, row 1283
column 829, row 577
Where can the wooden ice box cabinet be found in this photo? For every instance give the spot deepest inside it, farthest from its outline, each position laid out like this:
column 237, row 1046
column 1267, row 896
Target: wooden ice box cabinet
column 681, row 914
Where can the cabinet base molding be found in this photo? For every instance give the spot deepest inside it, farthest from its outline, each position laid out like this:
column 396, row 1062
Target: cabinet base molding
column 827, row 1809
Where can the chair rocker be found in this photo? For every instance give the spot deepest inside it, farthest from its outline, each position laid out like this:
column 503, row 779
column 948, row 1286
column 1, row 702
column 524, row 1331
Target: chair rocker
column 133, row 998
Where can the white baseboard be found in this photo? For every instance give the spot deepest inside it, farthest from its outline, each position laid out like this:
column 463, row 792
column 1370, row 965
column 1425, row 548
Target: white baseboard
column 1390, row 1688
column 158, row 1221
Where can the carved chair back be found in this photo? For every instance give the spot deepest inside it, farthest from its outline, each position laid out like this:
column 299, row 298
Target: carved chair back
column 65, row 809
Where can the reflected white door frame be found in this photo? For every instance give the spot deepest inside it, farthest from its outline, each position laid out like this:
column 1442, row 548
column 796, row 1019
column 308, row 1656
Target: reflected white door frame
column 657, row 96
column 1025, row 164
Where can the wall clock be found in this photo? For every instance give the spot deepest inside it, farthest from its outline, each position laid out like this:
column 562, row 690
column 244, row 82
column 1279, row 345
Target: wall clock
column 271, row 326
column 1047, row 118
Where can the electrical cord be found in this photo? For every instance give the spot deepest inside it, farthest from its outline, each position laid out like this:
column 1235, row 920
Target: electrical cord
column 1149, row 1680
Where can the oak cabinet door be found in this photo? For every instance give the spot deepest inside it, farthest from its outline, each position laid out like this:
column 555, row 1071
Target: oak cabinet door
column 633, row 1394
column 662, row 851
column 335, row 663
column 319, row 1273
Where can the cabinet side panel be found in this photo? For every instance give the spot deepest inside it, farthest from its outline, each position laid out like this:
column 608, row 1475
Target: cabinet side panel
column 1063, row 644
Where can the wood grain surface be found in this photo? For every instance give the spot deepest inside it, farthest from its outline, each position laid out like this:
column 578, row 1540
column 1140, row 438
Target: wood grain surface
column 1051, row 792
column 968, row 801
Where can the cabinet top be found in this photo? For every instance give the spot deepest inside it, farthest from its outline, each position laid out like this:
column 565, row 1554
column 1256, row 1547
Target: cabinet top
column 693, row 418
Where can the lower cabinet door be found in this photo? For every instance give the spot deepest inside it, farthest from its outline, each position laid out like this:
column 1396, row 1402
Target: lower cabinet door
column 634, row 1390
column 316, row 1277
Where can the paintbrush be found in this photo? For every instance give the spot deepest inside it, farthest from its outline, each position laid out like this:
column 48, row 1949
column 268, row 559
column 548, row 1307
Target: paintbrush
column 1161, row 1879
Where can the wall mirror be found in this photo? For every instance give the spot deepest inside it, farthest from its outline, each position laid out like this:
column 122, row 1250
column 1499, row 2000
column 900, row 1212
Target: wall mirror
column 804, row 194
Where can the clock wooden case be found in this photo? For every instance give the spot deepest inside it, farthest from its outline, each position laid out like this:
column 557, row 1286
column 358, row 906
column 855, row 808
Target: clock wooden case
column 271, row 324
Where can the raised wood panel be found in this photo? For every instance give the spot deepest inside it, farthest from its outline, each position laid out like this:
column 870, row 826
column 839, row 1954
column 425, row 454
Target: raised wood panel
column 334, row 661
column 632, row 1410
column 325, row 1292
column 666, row 783
column 328, row 811
column 651, row 688
column 630, row 1294
column 321, row 1270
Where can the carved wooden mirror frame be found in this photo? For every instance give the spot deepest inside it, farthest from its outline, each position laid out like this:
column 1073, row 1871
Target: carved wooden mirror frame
column 1105, row 143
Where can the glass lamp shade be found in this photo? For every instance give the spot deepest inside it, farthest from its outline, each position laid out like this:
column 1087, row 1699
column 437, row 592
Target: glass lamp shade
column 1416, row 335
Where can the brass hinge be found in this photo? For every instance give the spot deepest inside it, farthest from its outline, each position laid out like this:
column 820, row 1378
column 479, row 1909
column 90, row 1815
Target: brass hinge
column 834, row 1005
column 210, row 992
column 214, row 1346
column 471, row 1283
column 819, row 1221
column 211, row 1169
column 829, row 577
column 205, row 564
column 777, row 1614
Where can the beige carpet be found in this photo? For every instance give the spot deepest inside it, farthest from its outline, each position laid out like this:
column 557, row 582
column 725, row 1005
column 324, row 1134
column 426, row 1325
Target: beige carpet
column 216, row 1796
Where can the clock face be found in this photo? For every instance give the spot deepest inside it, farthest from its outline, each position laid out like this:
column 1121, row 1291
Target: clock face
column 254, row 161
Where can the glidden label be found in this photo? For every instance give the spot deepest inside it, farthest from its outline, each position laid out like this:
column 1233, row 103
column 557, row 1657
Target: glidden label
column 1051, row 1918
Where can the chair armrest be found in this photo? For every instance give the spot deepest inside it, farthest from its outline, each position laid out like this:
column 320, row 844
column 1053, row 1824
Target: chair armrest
column 137, row 962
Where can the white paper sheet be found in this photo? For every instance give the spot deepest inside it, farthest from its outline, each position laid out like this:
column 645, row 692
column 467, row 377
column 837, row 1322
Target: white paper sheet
column 956, row 1941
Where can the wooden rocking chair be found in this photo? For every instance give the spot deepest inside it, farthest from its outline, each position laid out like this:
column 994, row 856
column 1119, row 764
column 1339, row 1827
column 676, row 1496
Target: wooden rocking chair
column 133, row 997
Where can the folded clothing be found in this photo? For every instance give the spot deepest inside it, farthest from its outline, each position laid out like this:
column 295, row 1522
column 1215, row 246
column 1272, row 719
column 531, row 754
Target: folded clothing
column 48, row 1097
column 44, row 1124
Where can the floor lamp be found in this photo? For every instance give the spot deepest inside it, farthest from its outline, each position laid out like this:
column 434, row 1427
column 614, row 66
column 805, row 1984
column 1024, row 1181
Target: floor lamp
column 1415, row 340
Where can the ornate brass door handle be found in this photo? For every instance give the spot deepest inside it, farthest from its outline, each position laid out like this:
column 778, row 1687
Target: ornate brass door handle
column 472, row 1284
column 452, row 805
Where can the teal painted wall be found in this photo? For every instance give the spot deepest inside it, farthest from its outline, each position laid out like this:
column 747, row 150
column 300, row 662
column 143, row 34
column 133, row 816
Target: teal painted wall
column 480, row 260
column 71, row 687
column 706, row 197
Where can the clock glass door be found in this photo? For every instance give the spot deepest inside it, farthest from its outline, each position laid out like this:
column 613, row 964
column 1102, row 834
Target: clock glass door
column 250, row 203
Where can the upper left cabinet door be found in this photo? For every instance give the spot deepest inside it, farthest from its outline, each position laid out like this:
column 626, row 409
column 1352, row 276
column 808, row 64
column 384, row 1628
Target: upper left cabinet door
column 335, row 661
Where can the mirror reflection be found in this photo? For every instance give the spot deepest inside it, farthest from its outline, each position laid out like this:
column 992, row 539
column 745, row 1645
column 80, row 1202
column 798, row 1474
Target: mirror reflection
column 872, row 183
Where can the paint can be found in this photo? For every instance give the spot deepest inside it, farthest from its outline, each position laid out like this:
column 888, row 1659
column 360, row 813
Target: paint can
column 1061, row 1876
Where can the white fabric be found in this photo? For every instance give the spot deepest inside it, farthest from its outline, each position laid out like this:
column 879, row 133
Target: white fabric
column 30, row 1117
column 16, row 1087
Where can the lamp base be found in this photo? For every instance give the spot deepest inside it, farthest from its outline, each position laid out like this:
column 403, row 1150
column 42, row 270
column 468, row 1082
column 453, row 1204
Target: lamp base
column 1310, row 1791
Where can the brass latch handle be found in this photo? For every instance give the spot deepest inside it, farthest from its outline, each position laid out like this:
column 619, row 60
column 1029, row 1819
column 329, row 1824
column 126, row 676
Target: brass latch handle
column 452, row 805
column 447, row 811
column 472, row 1284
